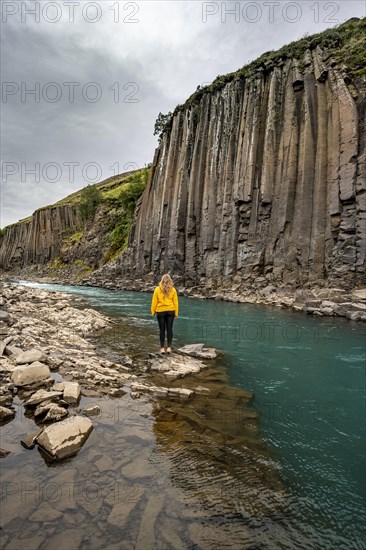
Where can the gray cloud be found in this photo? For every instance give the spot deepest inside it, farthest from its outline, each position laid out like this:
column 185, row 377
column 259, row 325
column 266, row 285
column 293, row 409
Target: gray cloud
column 156, row 63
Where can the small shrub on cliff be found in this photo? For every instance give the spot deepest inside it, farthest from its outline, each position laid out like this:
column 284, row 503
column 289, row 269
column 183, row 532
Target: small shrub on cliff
column 89, row 200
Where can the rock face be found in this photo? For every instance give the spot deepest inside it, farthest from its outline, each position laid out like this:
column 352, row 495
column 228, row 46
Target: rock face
column 57, row 232
column 38, row 239
column 261, row 176
column 65, row 438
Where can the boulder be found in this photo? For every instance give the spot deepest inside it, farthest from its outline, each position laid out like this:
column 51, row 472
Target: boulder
column 29, row 440
column 92, row 410
column 55, row 412
column 42, row 395
column 58, row 386
column 30, row 356
column 13, row 351
column 43, row 408
column 5, row 317
column 65, row 438
column 6, row 400
column 6, row 413
column 71, row 392
column 34, row 373
column 198, row 350
column 4, row 453
column 341, row 309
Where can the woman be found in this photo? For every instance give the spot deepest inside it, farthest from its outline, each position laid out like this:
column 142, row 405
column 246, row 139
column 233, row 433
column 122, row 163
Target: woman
column 165, row 305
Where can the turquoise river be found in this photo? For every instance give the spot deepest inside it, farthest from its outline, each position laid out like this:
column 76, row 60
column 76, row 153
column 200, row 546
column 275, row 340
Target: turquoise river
column 308, row 376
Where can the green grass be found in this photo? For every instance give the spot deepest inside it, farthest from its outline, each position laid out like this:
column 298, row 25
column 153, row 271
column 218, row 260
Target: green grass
column 109, row 188
column 122, row 202
column 70, row 241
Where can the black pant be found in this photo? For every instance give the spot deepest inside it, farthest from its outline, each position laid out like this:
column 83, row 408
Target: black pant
column 165, row 320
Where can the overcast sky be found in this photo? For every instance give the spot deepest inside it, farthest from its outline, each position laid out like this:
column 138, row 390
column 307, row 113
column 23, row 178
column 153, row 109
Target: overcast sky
column 102, row 71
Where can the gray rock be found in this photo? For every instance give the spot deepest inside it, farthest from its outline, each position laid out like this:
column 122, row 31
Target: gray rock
column 176, row 365
column 328, row 304
column 5, row 316
column 4, row 453
column 356, row 315
column 2, row 347
column 65, row 438
column 6, row 413
column 13, row 351
column 185, row 393
column 202, row 390
column 59, row 386
column 266, row 291
column 71, row 392
column 312, row 304
column 146, row 537
column 43, row 408
column 123, row 508
column 45, row 512
column 198, row 350
column 30, row 356
column 327, row 311
column 6, row 400
column 29, row 440
column 341, row 309
column 92, row 410
column 27, row 375
column 361, row 293
column 42, row 395
column 161, row 391
column 55, row 412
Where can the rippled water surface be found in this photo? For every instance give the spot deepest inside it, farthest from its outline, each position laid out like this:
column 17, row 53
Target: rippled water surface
column 201, row 474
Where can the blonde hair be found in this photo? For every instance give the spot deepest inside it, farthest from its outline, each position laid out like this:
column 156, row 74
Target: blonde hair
column 166, row 284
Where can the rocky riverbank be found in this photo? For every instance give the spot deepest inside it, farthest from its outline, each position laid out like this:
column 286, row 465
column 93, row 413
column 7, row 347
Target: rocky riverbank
column 311, row 299
column 171, row 443
column 47, row 364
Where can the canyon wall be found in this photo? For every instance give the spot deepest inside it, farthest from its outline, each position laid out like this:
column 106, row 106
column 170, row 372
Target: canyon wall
column 261, row 179
column 38, row 239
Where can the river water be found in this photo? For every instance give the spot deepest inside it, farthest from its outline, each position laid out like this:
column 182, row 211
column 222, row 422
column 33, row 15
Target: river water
column 203, row 476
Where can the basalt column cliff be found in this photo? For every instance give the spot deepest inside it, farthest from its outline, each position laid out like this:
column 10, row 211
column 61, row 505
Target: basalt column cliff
column 262, row 174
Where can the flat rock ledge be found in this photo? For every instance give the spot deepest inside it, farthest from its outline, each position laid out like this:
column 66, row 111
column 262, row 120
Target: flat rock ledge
column 198, row 350
column 161, row 391
column 65, row 438
column 174, row 365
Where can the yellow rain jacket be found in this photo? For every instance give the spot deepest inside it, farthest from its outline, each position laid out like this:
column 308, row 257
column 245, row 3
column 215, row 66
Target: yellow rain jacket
column 162, row 303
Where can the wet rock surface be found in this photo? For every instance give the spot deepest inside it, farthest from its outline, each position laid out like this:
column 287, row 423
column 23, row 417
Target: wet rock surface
column 65, row 438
